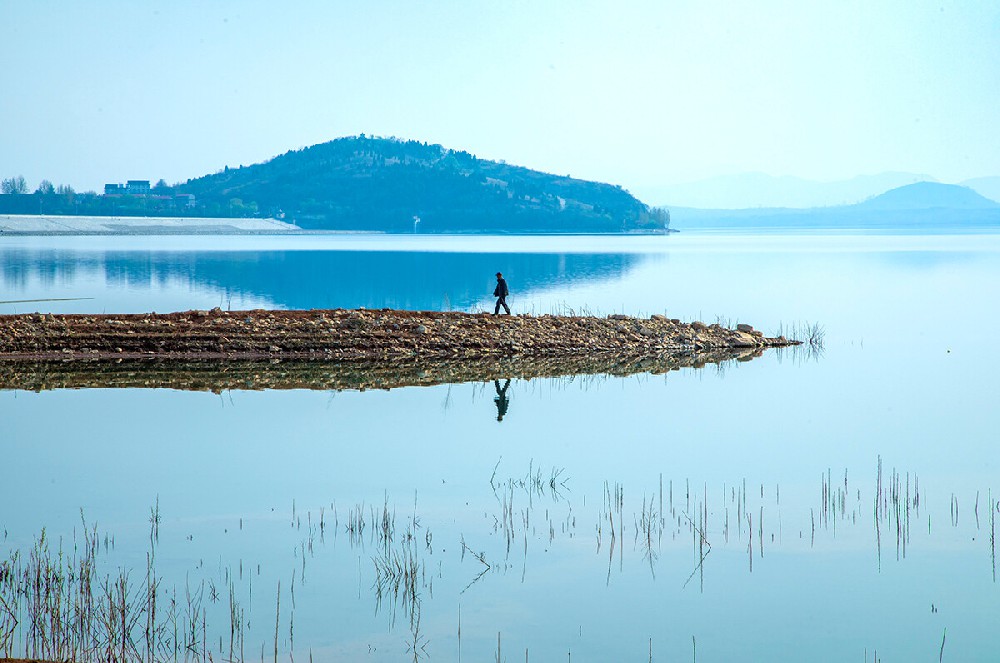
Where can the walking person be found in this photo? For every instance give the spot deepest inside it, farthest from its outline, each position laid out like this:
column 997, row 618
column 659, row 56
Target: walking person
column 501, row 292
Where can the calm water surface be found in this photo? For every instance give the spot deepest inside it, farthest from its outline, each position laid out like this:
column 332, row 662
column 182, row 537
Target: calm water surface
column 734, row 511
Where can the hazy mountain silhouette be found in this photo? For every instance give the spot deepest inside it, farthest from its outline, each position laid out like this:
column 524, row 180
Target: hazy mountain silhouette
column 985, row 186
column 918, row 205
column 756, row 190
column 365, row 183
column 929, row 195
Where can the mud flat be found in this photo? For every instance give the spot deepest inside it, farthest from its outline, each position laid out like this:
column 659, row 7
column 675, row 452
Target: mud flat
column 359, row 335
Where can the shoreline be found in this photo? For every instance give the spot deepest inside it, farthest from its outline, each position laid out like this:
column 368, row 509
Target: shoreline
column 357, row 335
column 54, row 225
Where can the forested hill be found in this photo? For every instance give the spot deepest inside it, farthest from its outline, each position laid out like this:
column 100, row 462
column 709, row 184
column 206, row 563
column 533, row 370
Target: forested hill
column 363, row 183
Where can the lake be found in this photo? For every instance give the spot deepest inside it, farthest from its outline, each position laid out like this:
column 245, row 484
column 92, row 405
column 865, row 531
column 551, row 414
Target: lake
column 806, row 505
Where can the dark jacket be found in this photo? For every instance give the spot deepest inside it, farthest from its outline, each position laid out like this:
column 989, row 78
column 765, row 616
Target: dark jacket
column 501, row 289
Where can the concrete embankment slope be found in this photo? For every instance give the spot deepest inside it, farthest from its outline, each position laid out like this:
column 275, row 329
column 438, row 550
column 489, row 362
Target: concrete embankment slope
column 358, row 335
column 30, row 224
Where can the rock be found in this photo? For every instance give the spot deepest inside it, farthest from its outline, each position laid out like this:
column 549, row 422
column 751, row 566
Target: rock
column 421, row 330
column 744, row 328
column 646, row 331
column 699, row 326
column 658, row 317
column 216, row 311
column 617, row 316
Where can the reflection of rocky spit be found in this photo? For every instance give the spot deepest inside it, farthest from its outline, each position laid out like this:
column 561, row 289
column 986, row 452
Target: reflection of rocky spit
column 221, row 375
column 359, row 335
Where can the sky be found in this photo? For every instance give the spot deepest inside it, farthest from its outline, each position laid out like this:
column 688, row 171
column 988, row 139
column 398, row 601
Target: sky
column 638, row 93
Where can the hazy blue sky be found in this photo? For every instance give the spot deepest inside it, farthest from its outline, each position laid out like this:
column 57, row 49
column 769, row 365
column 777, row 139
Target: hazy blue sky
column 637, row 93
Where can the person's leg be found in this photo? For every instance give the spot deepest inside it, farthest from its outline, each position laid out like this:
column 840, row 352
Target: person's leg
column 496, row 311
column 505, row 307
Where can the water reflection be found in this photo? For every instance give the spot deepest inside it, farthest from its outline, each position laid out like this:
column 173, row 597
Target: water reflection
column 501, row 400
column 421, row 280
column 224, row 375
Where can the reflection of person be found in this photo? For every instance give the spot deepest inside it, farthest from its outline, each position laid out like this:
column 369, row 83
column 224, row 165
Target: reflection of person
column 501, row 292
column 501, row 400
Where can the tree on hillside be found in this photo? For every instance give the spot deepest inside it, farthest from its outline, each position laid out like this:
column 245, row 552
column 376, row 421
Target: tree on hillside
column 14, row 185
column 161, row 188
column 660, row 216
column 45, row 188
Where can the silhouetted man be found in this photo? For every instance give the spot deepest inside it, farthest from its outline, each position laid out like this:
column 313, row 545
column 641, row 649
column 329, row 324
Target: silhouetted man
column 501, row 292
column 501, row 400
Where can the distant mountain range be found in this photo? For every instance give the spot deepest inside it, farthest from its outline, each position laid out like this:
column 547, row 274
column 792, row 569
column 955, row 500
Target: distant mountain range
column 365, row 183
column 757, row 190
column 929, row 196
column 921, row 204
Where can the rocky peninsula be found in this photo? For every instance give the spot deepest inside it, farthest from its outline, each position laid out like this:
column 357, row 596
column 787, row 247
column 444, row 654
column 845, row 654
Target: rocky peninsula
column 349, row 335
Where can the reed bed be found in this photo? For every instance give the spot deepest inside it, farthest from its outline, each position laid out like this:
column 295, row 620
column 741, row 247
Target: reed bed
column 55, row 604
